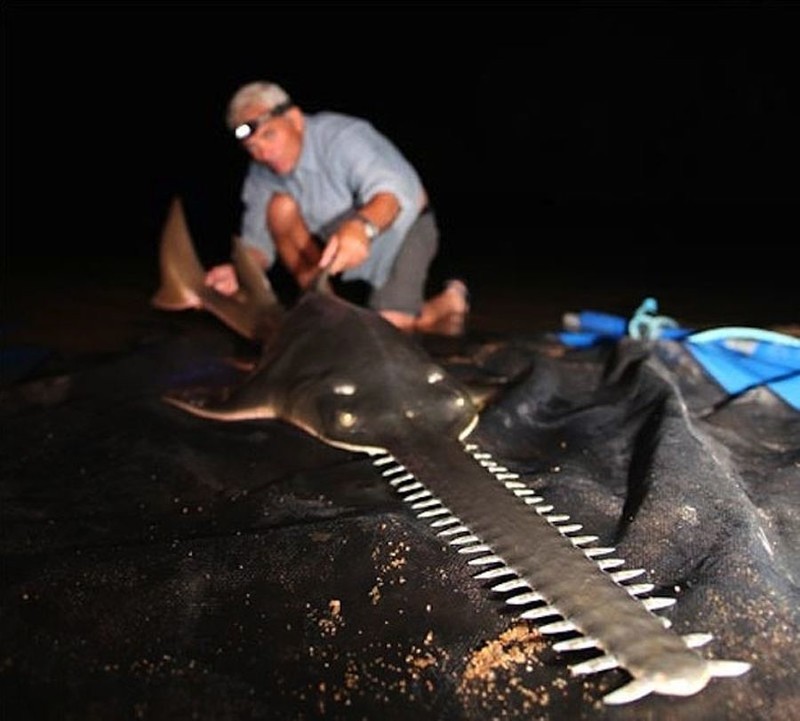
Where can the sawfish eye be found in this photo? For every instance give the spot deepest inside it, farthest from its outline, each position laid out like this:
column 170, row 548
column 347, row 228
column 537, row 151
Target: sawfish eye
column 344, row 389
column 346, row 419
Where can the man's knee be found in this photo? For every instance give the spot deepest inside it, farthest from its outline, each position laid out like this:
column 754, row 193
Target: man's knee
column 283, row 213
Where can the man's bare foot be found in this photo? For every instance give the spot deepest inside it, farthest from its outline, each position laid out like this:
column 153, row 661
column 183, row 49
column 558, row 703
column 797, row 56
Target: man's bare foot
column 404, row 321
column 446, row 313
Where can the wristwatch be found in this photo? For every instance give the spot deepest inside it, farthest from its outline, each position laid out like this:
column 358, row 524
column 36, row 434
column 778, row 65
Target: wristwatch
column 369, row 227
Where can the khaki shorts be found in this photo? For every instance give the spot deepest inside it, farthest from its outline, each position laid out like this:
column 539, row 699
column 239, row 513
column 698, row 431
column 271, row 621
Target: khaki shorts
column 404, row 291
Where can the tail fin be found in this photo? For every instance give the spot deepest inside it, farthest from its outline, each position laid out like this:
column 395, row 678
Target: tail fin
column 254, row 311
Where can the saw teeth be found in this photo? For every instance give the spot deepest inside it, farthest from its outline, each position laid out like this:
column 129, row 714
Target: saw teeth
column 580, row 643
column 435, row 512
column 440, row 522
column 481, row 548
column 394, row 469
column 452, row 531
column 521, row 593
column 621, row 576
column 695, row 640
column 461, row 540
column 524, row 598
column 727, row 669
column 410, row 487
column 594, row 665
column 557, row 627
column 638, row 589
column 493, row 573
column 534, row 614
column 485, row 560
column 425, row 504
column 417, row 496
column 512, row 585
column 656, row 603
column 606, row 563
column 598, row 551
column 636, row 689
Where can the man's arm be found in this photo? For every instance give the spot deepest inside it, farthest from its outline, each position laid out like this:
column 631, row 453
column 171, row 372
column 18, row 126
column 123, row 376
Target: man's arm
column 349, row 246
column 222, row 278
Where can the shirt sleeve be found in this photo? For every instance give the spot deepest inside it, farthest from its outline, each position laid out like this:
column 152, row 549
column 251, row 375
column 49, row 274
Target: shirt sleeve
column 370, row 163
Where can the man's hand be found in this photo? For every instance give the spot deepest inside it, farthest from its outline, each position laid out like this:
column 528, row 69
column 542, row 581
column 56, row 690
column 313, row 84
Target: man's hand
column 346, row 248
column 222, row 278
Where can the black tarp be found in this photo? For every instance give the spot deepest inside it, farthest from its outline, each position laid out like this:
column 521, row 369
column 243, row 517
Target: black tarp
column 158, row 565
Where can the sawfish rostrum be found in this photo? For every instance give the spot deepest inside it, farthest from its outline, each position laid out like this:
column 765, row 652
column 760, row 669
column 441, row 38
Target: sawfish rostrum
column 351, row 379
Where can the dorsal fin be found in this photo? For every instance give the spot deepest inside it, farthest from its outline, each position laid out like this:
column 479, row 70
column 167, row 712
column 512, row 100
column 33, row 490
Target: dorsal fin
column 254, row 311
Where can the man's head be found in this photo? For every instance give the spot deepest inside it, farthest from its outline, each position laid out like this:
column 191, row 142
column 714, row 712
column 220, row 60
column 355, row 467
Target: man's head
column 267, row 123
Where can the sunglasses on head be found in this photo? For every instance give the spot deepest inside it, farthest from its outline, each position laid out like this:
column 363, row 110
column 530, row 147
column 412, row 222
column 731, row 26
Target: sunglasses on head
column 245, row 130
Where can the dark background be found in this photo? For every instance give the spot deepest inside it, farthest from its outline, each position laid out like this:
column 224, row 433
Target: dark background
column 562, row 143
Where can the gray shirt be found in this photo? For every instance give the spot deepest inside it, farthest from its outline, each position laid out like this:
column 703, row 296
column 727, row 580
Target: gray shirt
column 343, row 163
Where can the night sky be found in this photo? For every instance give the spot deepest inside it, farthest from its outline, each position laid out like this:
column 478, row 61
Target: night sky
column 573, row 136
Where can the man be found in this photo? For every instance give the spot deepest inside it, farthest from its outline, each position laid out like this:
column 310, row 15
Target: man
column 328, row 190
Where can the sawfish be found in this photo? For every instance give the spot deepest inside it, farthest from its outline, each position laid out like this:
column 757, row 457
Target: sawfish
column 346, row 376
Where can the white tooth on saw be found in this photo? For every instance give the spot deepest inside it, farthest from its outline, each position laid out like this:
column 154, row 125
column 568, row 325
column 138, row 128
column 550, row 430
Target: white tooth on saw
column 695, row 640
column 620, row 576
column 605, row 563
column 453, row 530
column 461, row 540
column 656, row 603
column 636, row 689
column 598, row 551
column 556, row 627
column 482, row 548
column 410, row 487
column 435, row 512
column 440, row 522
column 523, row 598
column 493, row 573
column 512, row 585
column 579, row 643
column 594, row 665
column 485, row 560
column 533, row 614
column 426, row 504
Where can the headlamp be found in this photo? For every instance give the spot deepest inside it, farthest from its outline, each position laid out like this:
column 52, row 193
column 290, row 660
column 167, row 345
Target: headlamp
column 245, row 130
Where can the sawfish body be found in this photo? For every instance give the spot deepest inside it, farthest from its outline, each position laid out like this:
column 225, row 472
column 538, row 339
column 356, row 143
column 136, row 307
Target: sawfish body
column 351, row 379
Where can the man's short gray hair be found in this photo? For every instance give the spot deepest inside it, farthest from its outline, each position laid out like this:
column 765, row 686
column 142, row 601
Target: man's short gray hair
column 269, row 94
